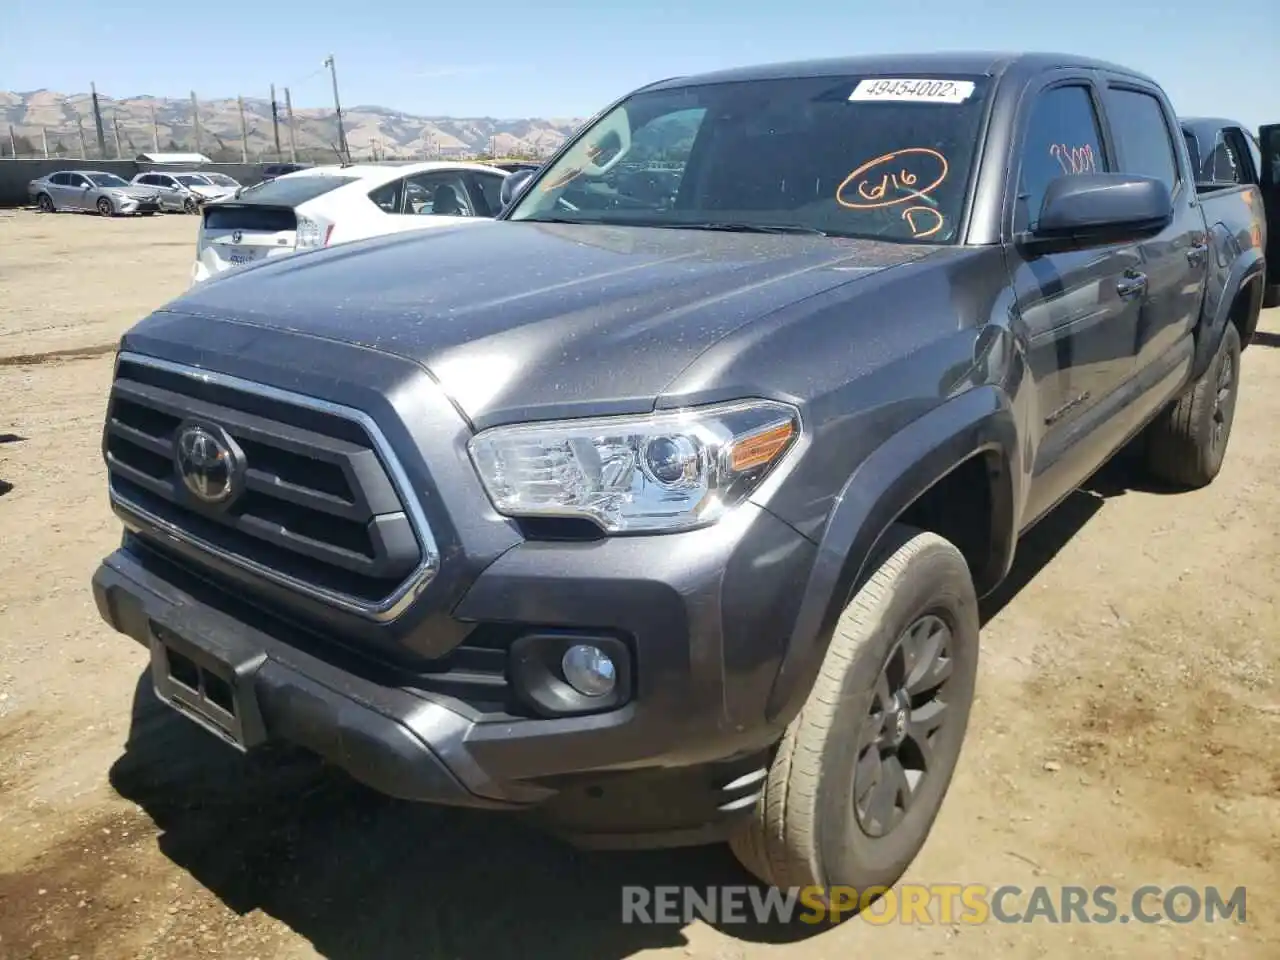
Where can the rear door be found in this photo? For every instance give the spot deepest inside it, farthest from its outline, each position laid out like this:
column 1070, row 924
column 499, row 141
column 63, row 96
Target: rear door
column 60, row 190
column 1269, row 178
column 262, row 222
column 1079, row 307
column 77, row 193
column 1175, row 261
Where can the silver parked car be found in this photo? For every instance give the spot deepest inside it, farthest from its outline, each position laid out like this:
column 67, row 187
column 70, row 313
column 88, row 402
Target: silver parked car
column 189, row 190
column 92, row 190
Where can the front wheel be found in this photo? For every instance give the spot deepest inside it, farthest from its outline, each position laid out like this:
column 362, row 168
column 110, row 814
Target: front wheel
column 190, row 206
column 1186, row 444
column 104, row 208
column 861, row 773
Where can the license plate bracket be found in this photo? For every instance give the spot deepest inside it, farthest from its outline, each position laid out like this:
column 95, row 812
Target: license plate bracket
column 209, row 682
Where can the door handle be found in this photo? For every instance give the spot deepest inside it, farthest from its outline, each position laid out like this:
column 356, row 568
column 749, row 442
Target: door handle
column 1197, row 253
column 1132, row 285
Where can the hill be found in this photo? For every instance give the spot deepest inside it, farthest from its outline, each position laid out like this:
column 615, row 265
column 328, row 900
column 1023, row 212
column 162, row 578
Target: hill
column 372, row 131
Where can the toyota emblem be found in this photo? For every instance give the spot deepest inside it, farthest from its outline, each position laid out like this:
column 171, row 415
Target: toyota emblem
column 237, row 236
column 209, row 463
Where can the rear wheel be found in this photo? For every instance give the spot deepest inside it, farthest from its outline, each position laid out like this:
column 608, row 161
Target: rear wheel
column 1187, row 443
column 45, row 203
column 104, row 208
column 861, row 772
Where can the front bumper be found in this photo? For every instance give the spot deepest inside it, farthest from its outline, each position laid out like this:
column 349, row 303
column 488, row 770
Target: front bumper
column 707, row 615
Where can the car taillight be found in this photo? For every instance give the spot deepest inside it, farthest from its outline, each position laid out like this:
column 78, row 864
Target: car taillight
column 312, row 233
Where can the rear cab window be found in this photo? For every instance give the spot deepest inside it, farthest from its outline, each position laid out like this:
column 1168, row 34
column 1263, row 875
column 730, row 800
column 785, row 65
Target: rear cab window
column 1144, row 143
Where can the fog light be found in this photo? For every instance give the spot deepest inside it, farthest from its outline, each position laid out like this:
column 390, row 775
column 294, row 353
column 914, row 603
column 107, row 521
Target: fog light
column 589, row 670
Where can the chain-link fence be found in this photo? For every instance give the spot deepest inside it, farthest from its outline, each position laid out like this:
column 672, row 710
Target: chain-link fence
column 254, row 130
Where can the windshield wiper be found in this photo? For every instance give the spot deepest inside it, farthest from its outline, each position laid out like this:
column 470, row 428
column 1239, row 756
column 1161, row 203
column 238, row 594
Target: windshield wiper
column 747, row 227
column 726, row 227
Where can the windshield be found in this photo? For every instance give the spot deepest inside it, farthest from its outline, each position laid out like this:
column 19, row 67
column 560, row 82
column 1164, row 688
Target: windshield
column 192, row 180
column 220, row 180
column 846, row 156
column 106, row 180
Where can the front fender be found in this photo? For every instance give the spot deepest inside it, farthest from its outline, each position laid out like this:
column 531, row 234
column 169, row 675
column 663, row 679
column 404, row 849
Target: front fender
column 979, row 421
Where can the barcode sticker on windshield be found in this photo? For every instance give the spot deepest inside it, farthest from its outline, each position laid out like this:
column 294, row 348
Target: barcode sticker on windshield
column 913, row 91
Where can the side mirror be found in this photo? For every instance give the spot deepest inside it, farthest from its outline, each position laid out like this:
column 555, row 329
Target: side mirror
column 512, row 185
column 1103, row 208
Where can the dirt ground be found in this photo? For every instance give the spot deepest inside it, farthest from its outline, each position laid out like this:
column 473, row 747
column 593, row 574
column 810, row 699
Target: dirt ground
column 1125, row 733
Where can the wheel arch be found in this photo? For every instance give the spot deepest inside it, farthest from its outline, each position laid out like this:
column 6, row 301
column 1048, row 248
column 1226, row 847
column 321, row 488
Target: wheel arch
column 962, row 453
column 1239, row 303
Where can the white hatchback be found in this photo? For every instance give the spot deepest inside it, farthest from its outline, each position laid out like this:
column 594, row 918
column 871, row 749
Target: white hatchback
column 324, row 206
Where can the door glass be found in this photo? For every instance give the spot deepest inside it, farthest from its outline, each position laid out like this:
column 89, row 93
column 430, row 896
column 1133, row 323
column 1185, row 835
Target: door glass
column 1063, row 139
column 1142, row 136
column 491, row 192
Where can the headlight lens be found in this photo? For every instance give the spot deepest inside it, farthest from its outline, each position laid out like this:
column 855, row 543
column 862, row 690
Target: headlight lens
column 658, row 473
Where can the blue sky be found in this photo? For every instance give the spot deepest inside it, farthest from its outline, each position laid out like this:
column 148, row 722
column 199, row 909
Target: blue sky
column 570, row 57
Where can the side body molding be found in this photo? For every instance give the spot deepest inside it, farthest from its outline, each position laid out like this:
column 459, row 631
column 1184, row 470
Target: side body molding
column 978, row 422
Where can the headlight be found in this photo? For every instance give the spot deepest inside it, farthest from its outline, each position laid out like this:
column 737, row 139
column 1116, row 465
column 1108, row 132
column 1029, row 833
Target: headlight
column 657, row 473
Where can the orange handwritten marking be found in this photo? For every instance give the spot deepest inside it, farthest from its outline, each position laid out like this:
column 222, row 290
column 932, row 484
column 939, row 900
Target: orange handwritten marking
column 877, row 192
column 922, row 230
column 1074, row 159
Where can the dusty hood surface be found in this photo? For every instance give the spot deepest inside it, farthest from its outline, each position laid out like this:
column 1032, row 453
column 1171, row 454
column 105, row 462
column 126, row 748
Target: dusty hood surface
column 523, row 315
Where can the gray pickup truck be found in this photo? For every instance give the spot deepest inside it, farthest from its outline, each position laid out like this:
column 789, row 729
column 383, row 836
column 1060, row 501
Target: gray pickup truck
column 659, row 508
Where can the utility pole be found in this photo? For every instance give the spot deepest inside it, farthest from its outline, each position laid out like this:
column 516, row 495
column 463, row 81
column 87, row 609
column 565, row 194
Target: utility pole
column 115, row 123
column 44, row 142
column 195, row 119
column 275, row 122
column 84, row 150
column 288, row 112
column 244, row 133
column 155, row 129
column 337, row 106
column 13, row 143
column 97, row 122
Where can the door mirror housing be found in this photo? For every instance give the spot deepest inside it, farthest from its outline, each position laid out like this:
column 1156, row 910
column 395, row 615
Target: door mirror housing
column 512, row 185
column 1102, row 208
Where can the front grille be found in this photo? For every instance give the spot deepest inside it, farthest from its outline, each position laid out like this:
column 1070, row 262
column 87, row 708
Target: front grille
column 320, row 504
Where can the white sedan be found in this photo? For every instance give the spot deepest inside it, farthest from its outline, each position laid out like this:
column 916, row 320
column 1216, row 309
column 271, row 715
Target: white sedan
column 324, row 206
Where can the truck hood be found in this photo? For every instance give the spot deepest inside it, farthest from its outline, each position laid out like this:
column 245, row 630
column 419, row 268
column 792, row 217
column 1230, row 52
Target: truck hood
column 527, row 321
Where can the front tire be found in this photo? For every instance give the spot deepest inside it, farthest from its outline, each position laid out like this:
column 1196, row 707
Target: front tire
column 1186, row 444
column 190, row 206
column 861, row 773
column 105, row 209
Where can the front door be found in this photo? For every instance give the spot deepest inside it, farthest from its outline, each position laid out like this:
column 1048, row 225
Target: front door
column 1078, row 308
column 1269, row 145
column 1176, row 260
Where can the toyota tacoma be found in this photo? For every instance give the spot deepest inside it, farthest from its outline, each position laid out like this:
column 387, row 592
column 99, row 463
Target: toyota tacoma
column 659, row 507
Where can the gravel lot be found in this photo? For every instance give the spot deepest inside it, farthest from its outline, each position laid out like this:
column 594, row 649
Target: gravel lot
column 1125, row 731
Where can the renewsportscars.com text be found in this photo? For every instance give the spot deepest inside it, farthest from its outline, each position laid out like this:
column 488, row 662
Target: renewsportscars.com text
column 940, row 903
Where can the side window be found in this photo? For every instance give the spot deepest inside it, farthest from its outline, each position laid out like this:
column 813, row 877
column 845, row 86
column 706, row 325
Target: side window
column 61, row 179
column 1238, row 144
column 490, row 190
column 1143, row 144
column 441, row 194
column 387, row 197
column 1063, row 139
column 1193, row 152
column 149, row 179
column 1223, row 164
column 78, row 180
